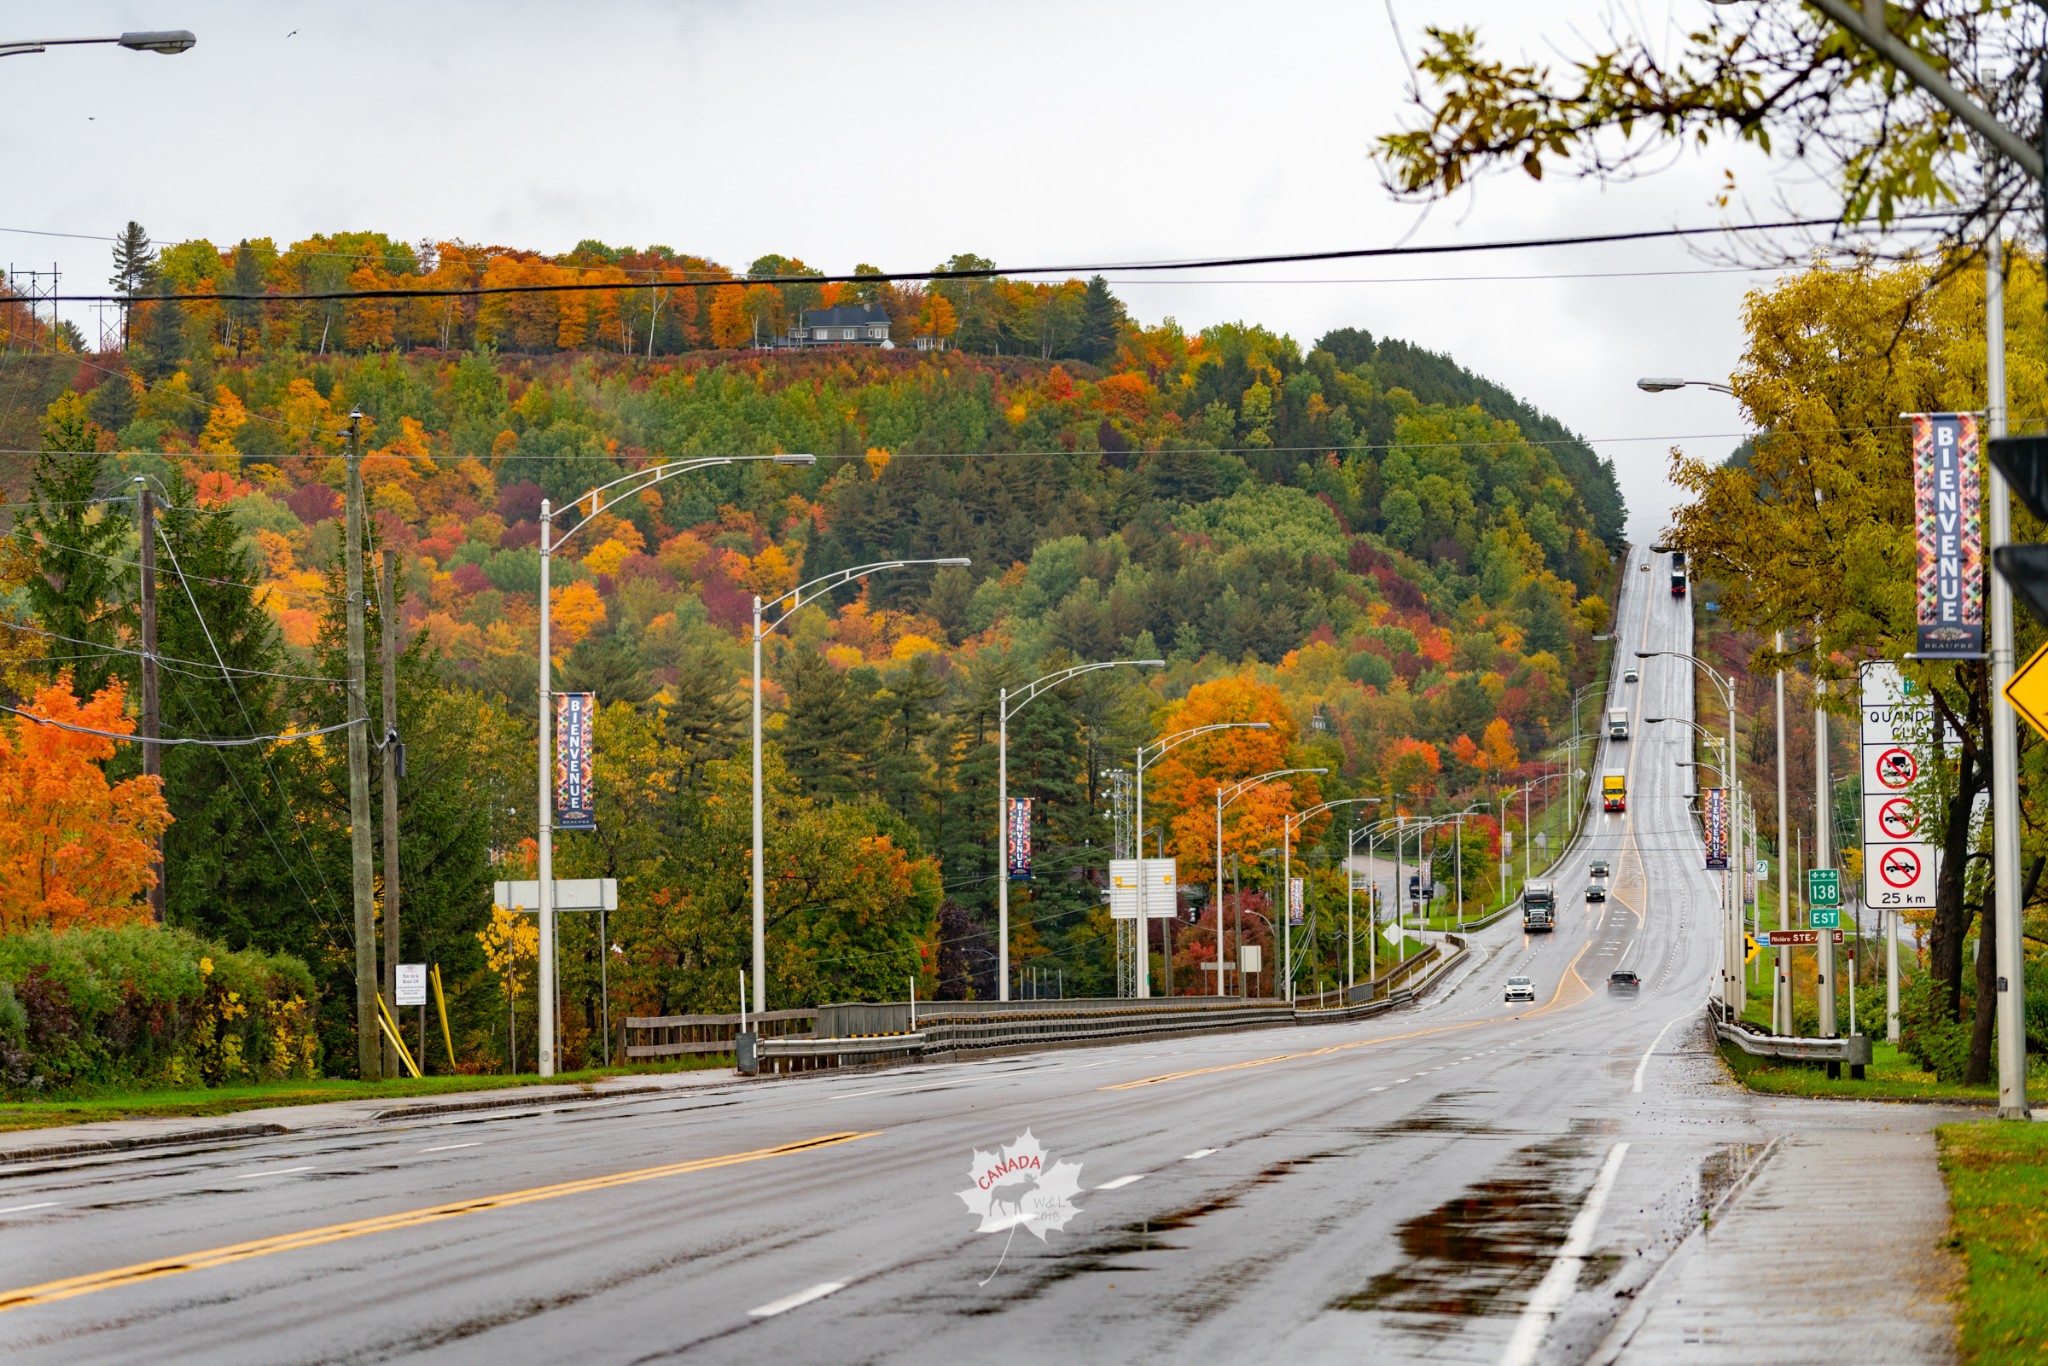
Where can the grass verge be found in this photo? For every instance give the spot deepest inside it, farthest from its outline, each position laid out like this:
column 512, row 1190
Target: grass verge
column 1998, row 1191
column 1890, row 1076
column 228, row 1100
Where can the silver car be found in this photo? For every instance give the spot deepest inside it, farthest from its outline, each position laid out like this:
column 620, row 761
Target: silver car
column 1520, row 989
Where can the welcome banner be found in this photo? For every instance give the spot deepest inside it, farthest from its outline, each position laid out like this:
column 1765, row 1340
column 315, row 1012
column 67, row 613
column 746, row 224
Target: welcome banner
column 1714, row 813
column 575, row 760
column 1948, row 524
column 1020, row 839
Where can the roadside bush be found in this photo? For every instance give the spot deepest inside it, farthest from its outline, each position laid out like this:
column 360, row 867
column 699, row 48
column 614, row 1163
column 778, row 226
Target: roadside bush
column 140, row 1005
column 1939, row 1044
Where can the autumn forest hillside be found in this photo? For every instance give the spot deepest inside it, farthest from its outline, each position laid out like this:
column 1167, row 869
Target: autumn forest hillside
column 1397, row 563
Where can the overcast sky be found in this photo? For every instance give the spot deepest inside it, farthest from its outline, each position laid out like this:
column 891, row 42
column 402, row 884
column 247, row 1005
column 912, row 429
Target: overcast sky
column 899, row 133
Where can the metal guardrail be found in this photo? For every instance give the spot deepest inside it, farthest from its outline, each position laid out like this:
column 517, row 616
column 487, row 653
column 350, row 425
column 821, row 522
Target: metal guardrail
column 1853, row 1049
column 675, row 1036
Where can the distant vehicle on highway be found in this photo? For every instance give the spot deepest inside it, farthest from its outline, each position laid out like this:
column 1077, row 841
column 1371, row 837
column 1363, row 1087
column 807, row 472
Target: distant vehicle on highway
column 1520, row 989
column 1596, row 891
column 1539, row 906
column 1617, row 724
column 1678, row 573
column 1598, row 868
column 1623, row 983
column 1631, row 673
column 1614, row 790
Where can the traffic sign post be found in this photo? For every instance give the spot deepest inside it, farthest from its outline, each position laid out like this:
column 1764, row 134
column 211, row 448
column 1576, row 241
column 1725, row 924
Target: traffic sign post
column 1823, row 887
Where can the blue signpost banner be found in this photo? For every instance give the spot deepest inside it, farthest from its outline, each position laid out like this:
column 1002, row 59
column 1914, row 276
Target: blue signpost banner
column 1948, row 526
column 575, row 760
column 1020, row 839
column 1714, row 808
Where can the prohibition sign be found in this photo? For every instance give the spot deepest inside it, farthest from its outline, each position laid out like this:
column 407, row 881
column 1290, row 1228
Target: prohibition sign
column 1899, row 867
column 1896, row 769
column 1897, row 818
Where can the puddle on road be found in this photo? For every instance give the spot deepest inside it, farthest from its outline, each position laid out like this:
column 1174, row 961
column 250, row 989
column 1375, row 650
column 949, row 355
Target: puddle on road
column 1722, row 1168
column 1479, row 1252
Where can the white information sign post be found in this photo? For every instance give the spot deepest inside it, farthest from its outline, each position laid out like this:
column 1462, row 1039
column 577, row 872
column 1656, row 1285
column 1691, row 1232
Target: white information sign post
column 1899, row 863
column 1162, row 889
column 412, row 984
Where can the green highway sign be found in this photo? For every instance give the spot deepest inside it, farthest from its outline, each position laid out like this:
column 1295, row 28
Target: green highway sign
column 1823, row 888
column 1824, row 918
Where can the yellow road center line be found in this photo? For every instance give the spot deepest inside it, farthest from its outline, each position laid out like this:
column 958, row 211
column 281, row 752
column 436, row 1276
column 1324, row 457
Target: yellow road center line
column 71, row 1286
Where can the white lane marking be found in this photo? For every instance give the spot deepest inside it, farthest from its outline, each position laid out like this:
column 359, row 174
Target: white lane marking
column 1375, row 1088
column 276, row 1171
column 801, row 1297
column 1120, row 1182
column 448, row 1147
column 1398, row 1080
column 23, row 1209
column 1199, row 1152
column 1557, row 1285
column 1637, row 1085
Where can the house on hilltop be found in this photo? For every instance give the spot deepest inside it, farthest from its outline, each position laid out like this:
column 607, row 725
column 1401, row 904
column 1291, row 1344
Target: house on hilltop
column 849, row 325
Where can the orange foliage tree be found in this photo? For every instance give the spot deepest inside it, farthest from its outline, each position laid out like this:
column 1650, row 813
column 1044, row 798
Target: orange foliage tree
column 1183, row 785
column 74, row 849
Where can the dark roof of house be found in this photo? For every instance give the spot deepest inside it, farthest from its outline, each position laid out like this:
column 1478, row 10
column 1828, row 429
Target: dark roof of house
column 852, row 315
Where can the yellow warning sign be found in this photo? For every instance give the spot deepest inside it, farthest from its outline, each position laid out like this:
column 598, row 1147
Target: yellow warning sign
column 2028, row 691
column 1751, row 948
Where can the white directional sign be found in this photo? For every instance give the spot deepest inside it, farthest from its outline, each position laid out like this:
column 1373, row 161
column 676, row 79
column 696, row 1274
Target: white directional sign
column 1897, row 730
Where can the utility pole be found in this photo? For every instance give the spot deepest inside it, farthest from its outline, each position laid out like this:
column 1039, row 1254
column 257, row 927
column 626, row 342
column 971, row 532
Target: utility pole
column 387, row 619
column 1781, row 958
column 1823, row 845
column 369, row 1049
column 152, row 720
column 2011, row 1009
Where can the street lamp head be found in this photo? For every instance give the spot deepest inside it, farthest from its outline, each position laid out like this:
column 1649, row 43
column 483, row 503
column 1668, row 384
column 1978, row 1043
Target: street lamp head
column 1655, row 720
column 794, row 458
column 1262, row 725
column 1150, row 663
column 1659, row 384
column 168, row 42
column 956, row 562
column 1646, row 654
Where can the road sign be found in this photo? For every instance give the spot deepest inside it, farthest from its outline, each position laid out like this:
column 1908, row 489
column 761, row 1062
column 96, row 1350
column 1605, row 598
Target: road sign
column 571, row 894
column 412, row 984
column 1251, row 958
column 2028, row 691
column 1791, row 939
column 1824, row 917
column 1750, row 948
column 1162, row 893
column 1823, row 887
column 1896, row 769
column 1763, row 869
column 1900, row 728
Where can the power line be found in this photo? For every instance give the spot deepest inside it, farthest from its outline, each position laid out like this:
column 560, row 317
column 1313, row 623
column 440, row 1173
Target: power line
column 203, row 743
column 255, row 589
column 986, row 272
column 162, row 658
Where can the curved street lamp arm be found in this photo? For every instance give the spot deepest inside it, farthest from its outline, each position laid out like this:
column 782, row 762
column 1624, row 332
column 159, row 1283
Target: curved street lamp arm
column 1299, row 816
column 1719, row 741
column 1721, row 680
column 1244, row 785
column 825, row 583
column 650, row 476
column 1179, row 738
column 1031, row 690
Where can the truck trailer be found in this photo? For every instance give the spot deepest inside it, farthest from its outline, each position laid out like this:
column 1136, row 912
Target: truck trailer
column 1617, row 724
column 1678, row 573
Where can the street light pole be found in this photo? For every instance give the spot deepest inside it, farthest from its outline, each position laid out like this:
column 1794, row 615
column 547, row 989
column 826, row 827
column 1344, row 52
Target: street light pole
column 1288, row 825
column 1161, row 746
column 1004, row 711
column 544, row 904
column 798, row 597
column 1224, row 797
column 165, row 42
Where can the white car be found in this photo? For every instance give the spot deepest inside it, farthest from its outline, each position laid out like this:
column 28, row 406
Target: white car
column 1520, row 989
column 1628, row 675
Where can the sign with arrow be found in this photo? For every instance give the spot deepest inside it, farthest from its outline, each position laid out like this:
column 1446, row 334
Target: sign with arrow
column 2028, row 691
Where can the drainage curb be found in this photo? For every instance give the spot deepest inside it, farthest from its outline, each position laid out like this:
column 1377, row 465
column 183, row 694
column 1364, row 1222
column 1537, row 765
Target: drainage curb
column 515, row 1103
column 89, row 1146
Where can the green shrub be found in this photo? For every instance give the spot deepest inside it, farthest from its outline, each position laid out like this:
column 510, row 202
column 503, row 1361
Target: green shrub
column 1939, row 1044
column 140, row 1005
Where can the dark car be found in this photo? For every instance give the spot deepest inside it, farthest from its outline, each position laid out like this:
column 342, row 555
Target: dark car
column 1623, row 983
column 1596, row 891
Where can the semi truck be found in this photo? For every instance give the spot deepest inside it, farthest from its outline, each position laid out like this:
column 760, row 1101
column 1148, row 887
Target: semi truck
column 1614, row 790
column 1617, row 724
column 1539, row 906
column 1678, row 573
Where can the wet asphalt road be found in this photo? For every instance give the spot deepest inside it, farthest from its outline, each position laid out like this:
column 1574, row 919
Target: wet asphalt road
column 1395, row 1188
